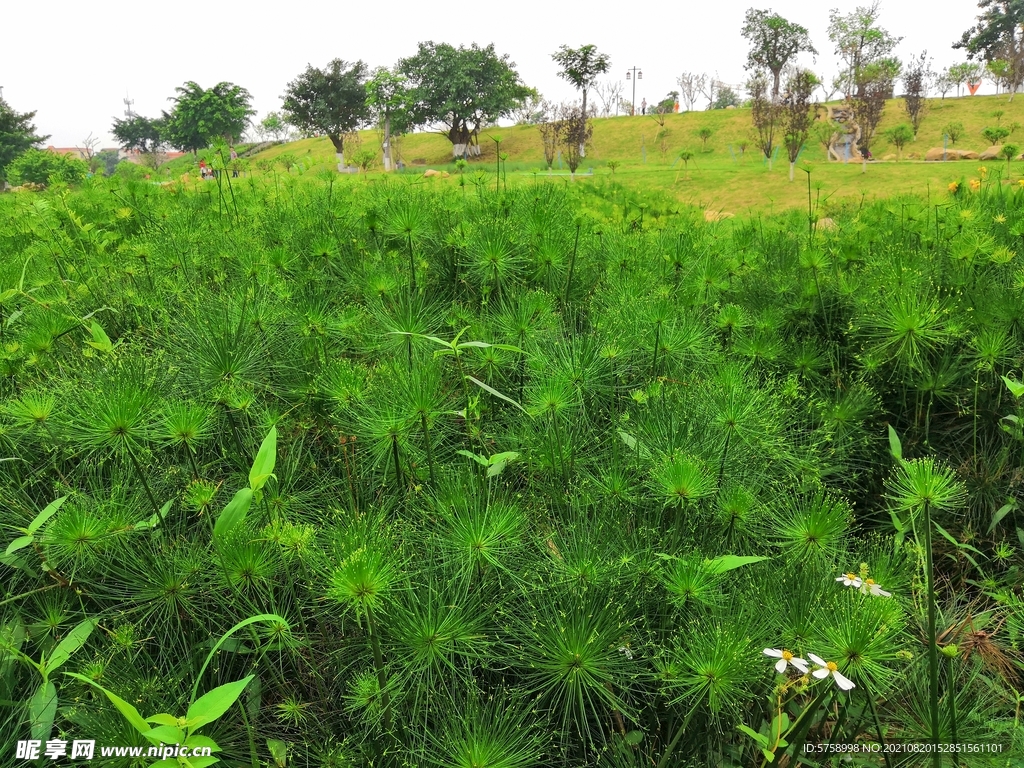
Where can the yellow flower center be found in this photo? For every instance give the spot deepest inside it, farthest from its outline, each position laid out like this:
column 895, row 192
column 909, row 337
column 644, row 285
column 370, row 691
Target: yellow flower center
column 851, row 576
column 832, row 667
column 787, row 655
column 869, row 582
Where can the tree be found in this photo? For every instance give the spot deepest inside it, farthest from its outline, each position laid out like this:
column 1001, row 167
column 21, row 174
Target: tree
column 388, row 99
column 965, row 73
column 704, row 133
column 873, row 88
column 17, row 135
column 581, row 67
column 916, row 79
column 274, row 126
column 774, row 41
column 201, row 115
column 994, row 134
column 139, row 134
column 39, row 166
column 530, row 110
column 945, row 82
column 108, row 160
column 710, row 88
column 576, row 133
column 797, row 113
column 460, row 90
column 1000, row 73
column 329, row 101
column 954, row 130
column 998, row 35
column 859, row 43
column 611, row 96
column 765, row 112
column 899, row 136
column 690, row 86
column 551, row 130
column 727, row 97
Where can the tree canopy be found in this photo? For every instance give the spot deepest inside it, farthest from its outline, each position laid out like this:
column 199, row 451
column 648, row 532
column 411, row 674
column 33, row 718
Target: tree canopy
column 581, row 67
column 138, row 133
column 860, row 42
column 331, row 100
column 17, row 134
column 201, row 115
column 774, row 41
column 998, row 37
column 459, row 90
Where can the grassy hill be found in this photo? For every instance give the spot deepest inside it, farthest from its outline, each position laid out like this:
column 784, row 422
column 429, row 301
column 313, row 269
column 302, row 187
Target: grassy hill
column 722, row 177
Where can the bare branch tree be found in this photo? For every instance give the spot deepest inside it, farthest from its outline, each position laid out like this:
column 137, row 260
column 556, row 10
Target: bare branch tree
column 691, row 85
column 89, row 144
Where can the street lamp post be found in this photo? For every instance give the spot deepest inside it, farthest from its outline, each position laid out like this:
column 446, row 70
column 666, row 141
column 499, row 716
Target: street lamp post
column 634, row 74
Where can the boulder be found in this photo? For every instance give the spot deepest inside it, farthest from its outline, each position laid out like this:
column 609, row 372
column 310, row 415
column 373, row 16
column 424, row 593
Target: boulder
column 889, row 157
column 711, row 216
column 827, row 224
column 992, row 153
column 951, row 153
column 431, row 172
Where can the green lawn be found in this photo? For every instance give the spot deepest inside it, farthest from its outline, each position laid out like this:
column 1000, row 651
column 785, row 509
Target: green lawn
column 722, row 177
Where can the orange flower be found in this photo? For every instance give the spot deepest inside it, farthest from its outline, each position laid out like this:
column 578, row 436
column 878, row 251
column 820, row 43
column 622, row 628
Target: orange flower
column 975, row 185
column 955, row 186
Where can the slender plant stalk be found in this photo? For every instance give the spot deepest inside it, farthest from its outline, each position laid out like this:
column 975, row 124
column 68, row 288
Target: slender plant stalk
column 430, row 451
column 878, row 728
column 572, row 265
column 378, row 664
column 933, row 648
column 951, row 688
column 142, row 479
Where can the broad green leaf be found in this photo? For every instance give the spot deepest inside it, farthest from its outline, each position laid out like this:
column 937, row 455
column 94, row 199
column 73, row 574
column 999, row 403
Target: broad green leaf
column 166, row 734
column 46, row 514
column 633, row 738
column 496, row 393
column 780, row 724
column 198, row 740
column 130, row 713
column 758, row 737
column 475, row 344
column 1002, row 512
column 278, row 751
column 895, row 446
column 272, row 617
column 233, row 514
column 212, row 705
column 1016, row 388
column 499, row 461
column 163, row 719
column 629, row 440
column 201, row 762
column 74, row 640
column 19, row 543
column 769, row 756
column 478, row 459
column 731, row 562
column 263, row 465
column 42, row 708
column 100, row 340
column 167, row 762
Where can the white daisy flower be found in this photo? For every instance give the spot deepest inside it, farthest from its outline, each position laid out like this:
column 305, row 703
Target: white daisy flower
column 785, row 658
column 830, row 668
column 850, row 580
column 626, row 652
column 872, row 587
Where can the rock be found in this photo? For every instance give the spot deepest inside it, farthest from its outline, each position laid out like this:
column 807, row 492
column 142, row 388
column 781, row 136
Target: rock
column 827, row 224
column 431, row 172
column 717, row 215
column 936, row 153
column 731, row 106
column 992, row 153
column 890, row 156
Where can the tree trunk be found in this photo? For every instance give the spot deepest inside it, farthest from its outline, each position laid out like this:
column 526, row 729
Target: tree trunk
column 583, row 152
column 792, row 166
column 775, row 85
column 339, row 149
column 387, row 144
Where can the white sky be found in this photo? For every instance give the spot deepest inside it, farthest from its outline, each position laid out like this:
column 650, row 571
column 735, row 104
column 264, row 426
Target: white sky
column 74, row 64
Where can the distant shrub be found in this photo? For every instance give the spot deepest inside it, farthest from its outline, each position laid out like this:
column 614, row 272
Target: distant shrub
column 40, row 167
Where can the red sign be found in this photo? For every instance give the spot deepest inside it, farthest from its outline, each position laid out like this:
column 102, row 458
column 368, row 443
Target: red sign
column 973, row 87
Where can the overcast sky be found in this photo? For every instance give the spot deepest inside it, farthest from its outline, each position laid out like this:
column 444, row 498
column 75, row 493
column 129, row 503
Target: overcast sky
column 74, row 64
